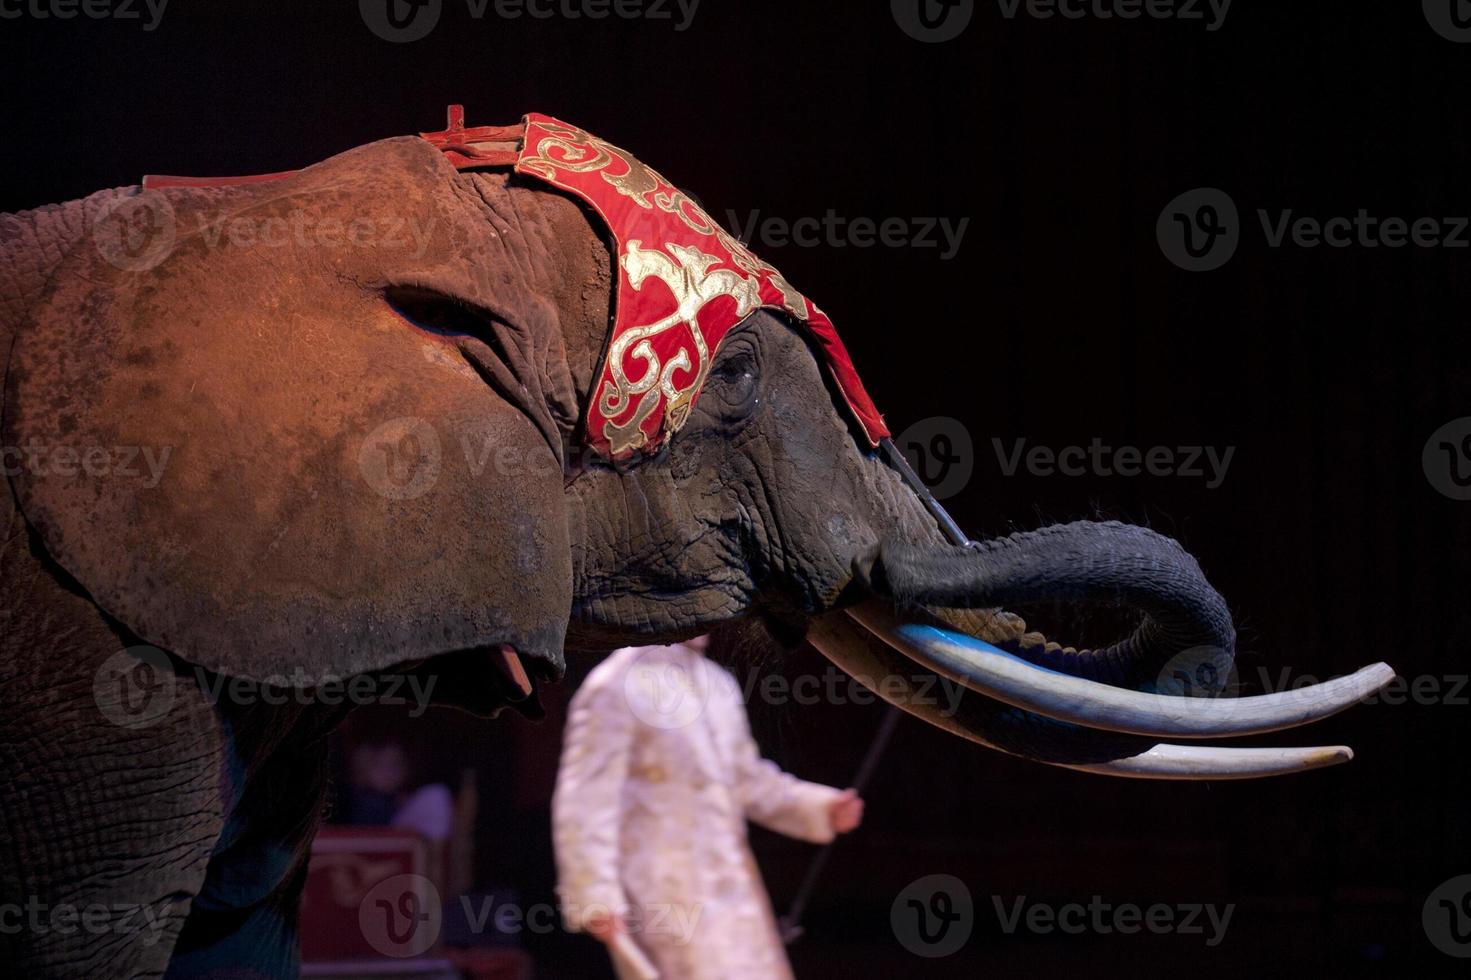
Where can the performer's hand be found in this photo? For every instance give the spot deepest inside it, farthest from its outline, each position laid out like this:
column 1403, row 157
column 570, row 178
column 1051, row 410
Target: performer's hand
column 846, row 812
column 603, row 926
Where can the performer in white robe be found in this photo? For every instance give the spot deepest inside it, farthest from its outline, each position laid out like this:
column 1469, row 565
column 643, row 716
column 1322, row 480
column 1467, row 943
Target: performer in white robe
column 658, row 777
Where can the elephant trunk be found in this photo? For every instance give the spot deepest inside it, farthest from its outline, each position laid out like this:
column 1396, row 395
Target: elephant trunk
column 1082, row 562
column 1096, row 710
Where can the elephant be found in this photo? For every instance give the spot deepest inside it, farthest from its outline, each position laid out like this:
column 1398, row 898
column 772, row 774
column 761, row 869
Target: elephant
column 334, row 431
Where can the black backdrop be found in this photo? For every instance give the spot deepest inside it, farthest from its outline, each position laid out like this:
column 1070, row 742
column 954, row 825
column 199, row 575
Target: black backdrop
column 1058, row 320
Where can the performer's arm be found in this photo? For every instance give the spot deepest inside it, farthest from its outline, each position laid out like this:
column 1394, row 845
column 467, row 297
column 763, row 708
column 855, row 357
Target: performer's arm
column 586, row 807
column 780, row 801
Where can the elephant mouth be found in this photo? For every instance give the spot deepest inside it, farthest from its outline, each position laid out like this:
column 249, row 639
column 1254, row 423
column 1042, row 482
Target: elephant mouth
column 484, row 681
column 513, row 671
column 932, row 616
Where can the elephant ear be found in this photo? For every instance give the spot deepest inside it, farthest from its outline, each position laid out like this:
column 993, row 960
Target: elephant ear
column 247, row 456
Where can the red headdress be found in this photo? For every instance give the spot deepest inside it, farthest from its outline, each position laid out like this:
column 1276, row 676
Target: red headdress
column 683, row 281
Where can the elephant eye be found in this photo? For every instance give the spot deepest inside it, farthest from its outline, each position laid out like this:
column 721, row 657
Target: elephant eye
column 435, row 312
column 737, row 368
column 735, row 382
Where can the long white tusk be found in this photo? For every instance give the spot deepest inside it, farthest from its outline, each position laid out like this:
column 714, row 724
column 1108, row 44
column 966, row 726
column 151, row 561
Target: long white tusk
column 997, row 674
column 881, row 670
column 1189, row 762
column 854, row 651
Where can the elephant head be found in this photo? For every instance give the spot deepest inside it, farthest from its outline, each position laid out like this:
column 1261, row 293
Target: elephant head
column 354, row 403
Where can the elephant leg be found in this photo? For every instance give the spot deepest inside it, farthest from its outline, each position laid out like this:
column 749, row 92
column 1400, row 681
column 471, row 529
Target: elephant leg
column 111, row 772
column 244, row 920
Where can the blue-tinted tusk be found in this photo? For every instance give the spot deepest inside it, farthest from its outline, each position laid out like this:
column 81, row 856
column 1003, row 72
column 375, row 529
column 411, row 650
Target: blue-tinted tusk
column 997, row 674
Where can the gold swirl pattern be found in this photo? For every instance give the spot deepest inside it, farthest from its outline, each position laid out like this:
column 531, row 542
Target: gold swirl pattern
column 661, row 363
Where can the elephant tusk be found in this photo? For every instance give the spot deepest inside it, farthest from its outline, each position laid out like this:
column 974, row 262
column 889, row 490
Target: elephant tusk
column 884, row 672
column 1192, row 762
column 878, row 668
column 995, row 673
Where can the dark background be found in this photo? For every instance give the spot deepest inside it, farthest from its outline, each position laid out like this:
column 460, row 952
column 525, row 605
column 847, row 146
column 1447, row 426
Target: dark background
column 1058, row 321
